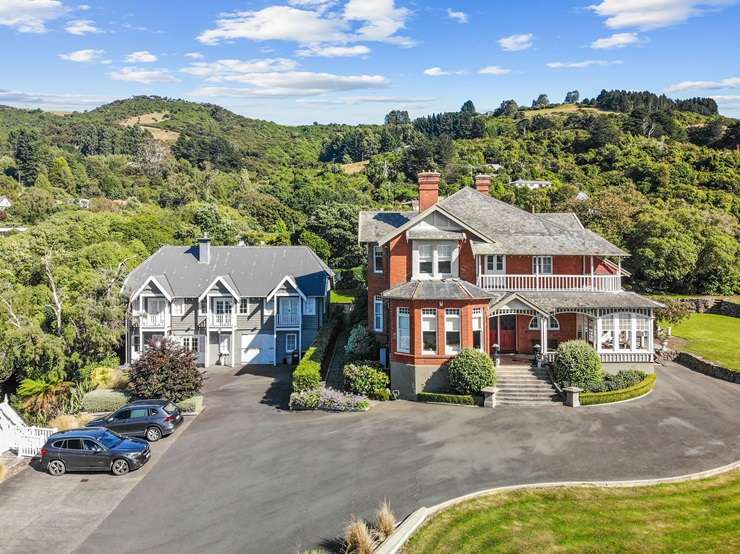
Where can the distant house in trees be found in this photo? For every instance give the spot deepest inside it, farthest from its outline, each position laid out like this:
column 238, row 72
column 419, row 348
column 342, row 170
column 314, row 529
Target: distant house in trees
column 532, row 185
column 5, row 203
column 83, row 203
column 582, row 196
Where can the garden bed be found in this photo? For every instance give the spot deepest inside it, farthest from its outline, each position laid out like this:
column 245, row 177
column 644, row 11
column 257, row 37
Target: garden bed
column 635, row 391
column 107, row 400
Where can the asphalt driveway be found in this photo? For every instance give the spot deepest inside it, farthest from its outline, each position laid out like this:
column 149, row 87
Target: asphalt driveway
column 251, row 477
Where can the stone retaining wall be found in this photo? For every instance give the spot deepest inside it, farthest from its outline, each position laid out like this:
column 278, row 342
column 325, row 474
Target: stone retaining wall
column 731, row 309
column 701, row 365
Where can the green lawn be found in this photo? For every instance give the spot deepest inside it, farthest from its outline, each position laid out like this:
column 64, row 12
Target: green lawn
column 343, row 296
column 695, row 516
column 711, row 336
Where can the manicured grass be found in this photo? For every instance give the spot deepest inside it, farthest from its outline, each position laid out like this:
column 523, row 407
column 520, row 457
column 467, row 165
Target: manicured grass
column 713, row 337
column 343, row 296
column 695, row 516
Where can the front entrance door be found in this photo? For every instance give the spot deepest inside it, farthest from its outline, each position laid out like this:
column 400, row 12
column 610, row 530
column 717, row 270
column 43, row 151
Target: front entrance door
column 507, row 336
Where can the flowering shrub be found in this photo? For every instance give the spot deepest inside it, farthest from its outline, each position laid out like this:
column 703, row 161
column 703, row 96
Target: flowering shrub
column 366, row 378
column 328, row 399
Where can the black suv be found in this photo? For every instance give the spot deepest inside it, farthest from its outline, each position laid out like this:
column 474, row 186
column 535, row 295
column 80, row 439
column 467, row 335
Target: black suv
column 152, row 419
column 93, row 449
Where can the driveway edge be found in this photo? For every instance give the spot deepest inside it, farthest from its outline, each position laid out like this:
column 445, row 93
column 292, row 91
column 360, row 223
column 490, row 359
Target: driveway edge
column 416, row 519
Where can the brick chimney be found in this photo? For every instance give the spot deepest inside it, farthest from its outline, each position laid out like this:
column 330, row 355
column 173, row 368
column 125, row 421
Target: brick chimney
column 428, row 189
column 483, row 184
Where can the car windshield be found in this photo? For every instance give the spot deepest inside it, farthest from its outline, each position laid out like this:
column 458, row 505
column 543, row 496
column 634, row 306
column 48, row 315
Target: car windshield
column 170, row 408
column 110, row 439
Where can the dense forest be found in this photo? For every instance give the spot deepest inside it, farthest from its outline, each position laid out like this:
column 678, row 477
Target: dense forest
column 661, row 177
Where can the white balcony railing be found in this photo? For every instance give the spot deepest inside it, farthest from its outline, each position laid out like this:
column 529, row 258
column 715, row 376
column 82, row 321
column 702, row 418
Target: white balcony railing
column 609, row 283
column 288, row 319
column 220, row 320
column 157, row 320
column 614, row 357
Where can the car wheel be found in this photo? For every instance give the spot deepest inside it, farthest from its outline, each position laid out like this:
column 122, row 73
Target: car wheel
column 56, row 468
column 153, row 434
column 120, row 467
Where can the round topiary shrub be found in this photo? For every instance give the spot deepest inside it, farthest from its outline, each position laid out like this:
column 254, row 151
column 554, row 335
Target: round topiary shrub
column 578, row 365
column 470, row 371
column 165, row 370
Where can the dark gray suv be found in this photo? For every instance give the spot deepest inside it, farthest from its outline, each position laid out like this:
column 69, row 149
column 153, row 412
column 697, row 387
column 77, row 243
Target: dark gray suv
column 93, row 449
column 151, row 419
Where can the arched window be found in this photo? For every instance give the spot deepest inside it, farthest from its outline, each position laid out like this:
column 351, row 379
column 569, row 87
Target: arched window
column 534, row 324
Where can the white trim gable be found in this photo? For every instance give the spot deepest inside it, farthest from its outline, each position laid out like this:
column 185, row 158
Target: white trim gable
column 224, row 283
column 151, row 279
column 516, row 297
column 289, row 279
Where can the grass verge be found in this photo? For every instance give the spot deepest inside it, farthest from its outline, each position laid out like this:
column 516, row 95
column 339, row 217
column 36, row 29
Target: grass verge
column 694, row 516
column 343, row 296
column 713, row 337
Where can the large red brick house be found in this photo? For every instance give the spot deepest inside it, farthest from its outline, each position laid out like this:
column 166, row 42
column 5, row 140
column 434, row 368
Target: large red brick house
column 472, row 271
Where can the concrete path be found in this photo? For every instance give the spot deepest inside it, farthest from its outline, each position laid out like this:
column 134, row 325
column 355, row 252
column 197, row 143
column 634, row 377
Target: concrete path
column 248, row 476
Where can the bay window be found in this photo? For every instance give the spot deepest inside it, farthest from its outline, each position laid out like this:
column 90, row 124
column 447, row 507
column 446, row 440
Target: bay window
column 429, row 330
column 625, row 331
column 606, row 340
column 642, row 333
column 378, row 313
column 403, row 330
column 452, row 331
column 478, row 328
column 542, row 265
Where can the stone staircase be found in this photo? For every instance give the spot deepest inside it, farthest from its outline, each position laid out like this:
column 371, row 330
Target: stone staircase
column 520, row 383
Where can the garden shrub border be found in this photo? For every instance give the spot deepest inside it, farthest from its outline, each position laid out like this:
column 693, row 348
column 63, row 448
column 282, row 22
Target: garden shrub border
column 100, row 401
column 307, row 374
column 640, row 389
column 448, row 398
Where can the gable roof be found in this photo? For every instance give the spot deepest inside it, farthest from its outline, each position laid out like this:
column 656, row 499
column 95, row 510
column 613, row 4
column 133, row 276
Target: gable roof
column 503, row 228
column 373, row 226
column 249, row 270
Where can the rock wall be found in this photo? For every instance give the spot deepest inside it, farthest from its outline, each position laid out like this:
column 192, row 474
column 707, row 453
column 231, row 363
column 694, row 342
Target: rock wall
column 731, row 309
column 708, row 368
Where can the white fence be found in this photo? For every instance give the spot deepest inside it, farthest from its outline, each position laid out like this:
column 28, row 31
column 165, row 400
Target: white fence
column 16, row 435
column 550, row 282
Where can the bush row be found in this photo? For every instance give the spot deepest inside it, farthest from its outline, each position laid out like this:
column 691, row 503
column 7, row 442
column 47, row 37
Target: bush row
column 328, row 399
column 307, row 374
column 107, row 400
column 464, row 399
column 643, row 387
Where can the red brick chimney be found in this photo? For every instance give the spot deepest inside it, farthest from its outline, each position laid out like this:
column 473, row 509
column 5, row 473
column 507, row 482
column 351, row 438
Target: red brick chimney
column 483, row 184
column 428, row 189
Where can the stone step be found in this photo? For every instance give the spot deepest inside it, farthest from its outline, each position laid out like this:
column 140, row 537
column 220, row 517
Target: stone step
column 522, row 380
column 525, row 395
column 529, row 388
column 520, row 403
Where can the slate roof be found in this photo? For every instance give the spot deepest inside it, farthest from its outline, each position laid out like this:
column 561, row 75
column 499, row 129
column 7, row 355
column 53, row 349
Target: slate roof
column 503, row 228
column 445, row 289
column 249, row 270
column 549, row 301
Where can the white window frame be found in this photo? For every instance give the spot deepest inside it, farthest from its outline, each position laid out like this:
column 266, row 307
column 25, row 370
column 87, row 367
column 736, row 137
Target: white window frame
column 451, row 315
column 628, row 322
column 431, row 252
column 429, row 314
column 178, row 307
column 191, row 343
column 244, row 306
column 378, row 314
column 493, row 268
column 378, row 254
column 309, row 306
column 288, row 336
column 403, row 346
column 136, row 342
column 478, row 319
column 539, row 263
column 638, row 321
column 439, row 257
column 426, row 258
column 552, row 325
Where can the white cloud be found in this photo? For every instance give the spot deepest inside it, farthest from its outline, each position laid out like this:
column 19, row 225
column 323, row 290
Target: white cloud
column 354, row 100
column 513, row 43
column 652, row 14
column 313, row 23
column 140, row 75
column 81, row 27
column 617, row 40
column 439, row 72
column 727, row 99
column 142, row 56
column 334, row 51
column 88, row 55
column 68, row 101
column 730, row 82
column 493, row 70
column 460, row 17
column 29, row 16
column 194, row 55
column 232, row 70
column 293, row 84
column 582, row 65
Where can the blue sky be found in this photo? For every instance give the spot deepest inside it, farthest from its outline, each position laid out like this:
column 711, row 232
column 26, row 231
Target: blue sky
column 299, row 61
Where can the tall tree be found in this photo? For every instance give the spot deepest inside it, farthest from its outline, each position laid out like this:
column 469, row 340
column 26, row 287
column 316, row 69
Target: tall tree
column 468, row 107
column 27, row 149
column 572, row 97
column 542, row 101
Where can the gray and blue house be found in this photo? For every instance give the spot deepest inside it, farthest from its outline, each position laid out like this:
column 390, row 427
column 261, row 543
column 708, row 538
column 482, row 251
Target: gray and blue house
column 231, row 305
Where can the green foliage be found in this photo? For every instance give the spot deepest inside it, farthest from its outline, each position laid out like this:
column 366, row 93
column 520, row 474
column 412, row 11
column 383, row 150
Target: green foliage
column 639, row 389
column 578, row 365
column 104, row 400
column 305, row 399
column 622, row 380
column 192, row 405
column 366, row 378
column 165, row 370
column 444, row 398
column 470, row 371
column 315, row 243
column 360, row 344
column 45, row 397
column 674, row 312
column 307, row 374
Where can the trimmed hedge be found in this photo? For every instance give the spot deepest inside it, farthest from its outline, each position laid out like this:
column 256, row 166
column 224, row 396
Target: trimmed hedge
column 643, row 387
column 307, row 374
column 578, row 365
column 103, row 400
column 460, row 399
column 471, row 371
column 192, row 405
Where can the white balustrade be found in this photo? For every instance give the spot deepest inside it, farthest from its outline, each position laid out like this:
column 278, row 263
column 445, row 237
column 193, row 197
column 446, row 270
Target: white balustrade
column 220, row 320
column 510, row 282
